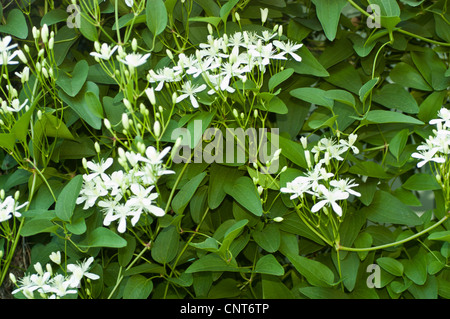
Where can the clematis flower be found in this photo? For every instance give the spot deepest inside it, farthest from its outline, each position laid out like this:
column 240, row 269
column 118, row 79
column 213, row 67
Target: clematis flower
column 289, row 48
column 105, row 52
column 189, row 91
column 330, row 197
column 133, row 60
column 79, row 271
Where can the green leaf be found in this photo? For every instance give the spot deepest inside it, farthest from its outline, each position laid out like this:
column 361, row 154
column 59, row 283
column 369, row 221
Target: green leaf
column 7, row 141
column 381, row 116
column 416, row 268
column 309, row 65
column 230, row 235
column 226, row 9
column 421, row 182
column 245, row 193
column 102, row 237
column 328, row 13
column 165, row 247
column 341, row 96
column 220, row 175
column 66, row 201
column 279, row 78
column 394, row 96
column 370, row 169
column 213, row 262
column 137, row 287
column 323, row 293
column 293, row 151
column 432, row 68
column 316, row 273
column 35, row 226
column 440, row 235
column 156, row 16
column 182, row 198
column 268, row 238
column 214, row 21
column 54, row 16
column 20, row 128
column 269, row 265
column 273, row 288
column 391, row 265
column 367, row 88
column 386, row 208
column 79, row 105
column 93, row 104
column 398, row 143
column 16, row 24
column 431, row 105
column 408, row 76
column 312, row 95
column 72, row 83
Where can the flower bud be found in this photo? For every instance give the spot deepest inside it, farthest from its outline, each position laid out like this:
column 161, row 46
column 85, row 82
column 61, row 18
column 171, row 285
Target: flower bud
column 97, row 147
column 134, row 44
column 107, row 124
column 278, row 219
column 264, row 14
column 157, row 128
column 44, row 33
column 125, row 121
column 150, row 92
column 12, row 278
column 22, row 56
column 56, row 257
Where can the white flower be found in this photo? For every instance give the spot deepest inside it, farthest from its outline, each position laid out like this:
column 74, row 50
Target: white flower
column 427, row 156
column 105, row 52
column 79, row 271
column 16, row 106
column 129, row 3
column 298, row 187
column 7, row 58
column 134, row 60
column 4, row 44
column 98, row 169
column 189, row 91
column 345, row 185
column 289, row 48
column 153, row 156
column 60, row 286
column 142, row 200
column 9, row 208
column 120, row 212
column 444, row 115
column 330, row 198
column 349, row 144
column 91, row 191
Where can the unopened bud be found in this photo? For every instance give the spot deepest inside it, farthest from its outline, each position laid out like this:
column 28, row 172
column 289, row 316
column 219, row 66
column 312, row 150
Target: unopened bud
column 278, row 219
column 157, row 128
column 97, row 147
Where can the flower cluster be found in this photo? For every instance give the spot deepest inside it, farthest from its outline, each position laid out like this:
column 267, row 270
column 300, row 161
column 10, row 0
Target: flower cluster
column 9, row 206
column 437, row 146
column 124, row 193
column 214, row 67
column 54, row 285
column 318, row 181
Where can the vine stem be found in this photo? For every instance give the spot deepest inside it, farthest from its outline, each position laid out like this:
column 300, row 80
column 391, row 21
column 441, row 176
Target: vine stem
column 120, row 278
column 339, row 247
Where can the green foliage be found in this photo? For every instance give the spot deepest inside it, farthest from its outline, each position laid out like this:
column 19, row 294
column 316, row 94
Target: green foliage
column 229, row 228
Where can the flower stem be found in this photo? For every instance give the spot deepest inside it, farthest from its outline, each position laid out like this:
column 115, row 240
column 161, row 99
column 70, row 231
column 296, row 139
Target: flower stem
column 339, row 247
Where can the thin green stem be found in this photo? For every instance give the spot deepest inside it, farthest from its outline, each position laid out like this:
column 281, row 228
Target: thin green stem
column 405, row 240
